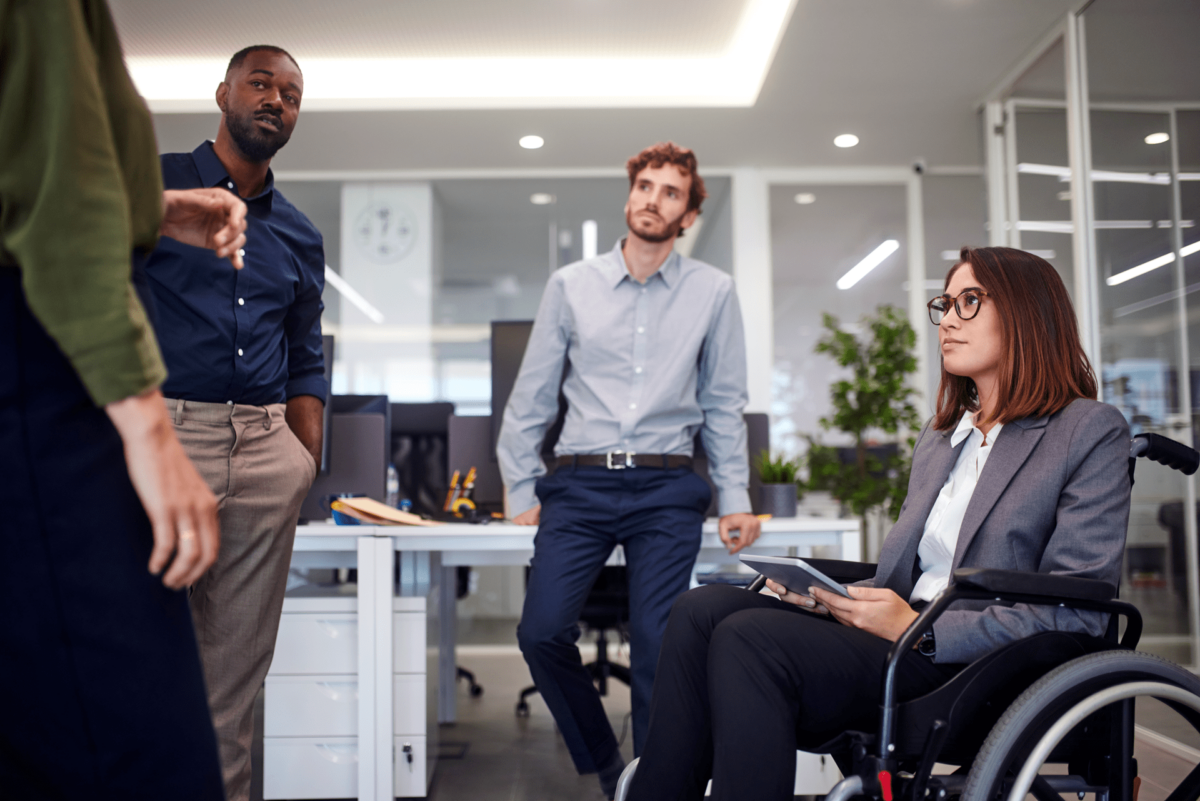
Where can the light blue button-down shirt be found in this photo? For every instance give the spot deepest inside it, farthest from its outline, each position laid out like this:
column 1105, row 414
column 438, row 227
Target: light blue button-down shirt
column 650, row 365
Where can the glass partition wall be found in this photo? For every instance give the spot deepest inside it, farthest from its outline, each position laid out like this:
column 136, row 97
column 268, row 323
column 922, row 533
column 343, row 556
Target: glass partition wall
column 417, row 271
column 1093, row 152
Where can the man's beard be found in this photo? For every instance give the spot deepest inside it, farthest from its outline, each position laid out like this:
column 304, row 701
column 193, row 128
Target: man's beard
column 255, row 143
column 669, row 232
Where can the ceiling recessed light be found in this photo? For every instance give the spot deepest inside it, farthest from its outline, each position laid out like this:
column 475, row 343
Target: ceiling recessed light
column 531, row 142
column 846, row 140
column 804, row 198
column 541, row 198
column 1157, row 138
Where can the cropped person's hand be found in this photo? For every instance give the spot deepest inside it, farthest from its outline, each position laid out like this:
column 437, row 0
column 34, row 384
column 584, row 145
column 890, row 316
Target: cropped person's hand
column 181, row 508
column 875, row 610
column 530, row 517
column 806, row 602
column 748, row 527
column 206, row 218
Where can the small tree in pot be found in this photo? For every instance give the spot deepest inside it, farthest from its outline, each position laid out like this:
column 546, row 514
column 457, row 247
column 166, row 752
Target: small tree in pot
column 877, row 396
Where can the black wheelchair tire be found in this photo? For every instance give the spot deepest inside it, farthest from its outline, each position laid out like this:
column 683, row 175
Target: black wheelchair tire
column 1048, row 699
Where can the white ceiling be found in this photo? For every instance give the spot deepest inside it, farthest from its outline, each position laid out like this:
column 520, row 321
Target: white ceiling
column 904, row 75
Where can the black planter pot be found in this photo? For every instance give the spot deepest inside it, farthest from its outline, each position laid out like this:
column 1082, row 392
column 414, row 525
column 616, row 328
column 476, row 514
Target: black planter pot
column 779, row 500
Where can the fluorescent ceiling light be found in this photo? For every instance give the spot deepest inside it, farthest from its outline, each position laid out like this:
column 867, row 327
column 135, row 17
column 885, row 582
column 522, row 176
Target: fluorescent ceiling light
column 1153, row 264
column 531, row 142
column 873, row 260
column 1157, row 138
column 589, row 238
column 731, row 77
column 805, row 198
column 845, row 140
column 351, row 294
column 1064, row 174
column 541, row 199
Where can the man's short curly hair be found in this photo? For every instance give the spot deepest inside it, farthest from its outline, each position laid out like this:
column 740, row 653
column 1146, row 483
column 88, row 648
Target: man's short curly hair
column 240, row 56
column 670, row 153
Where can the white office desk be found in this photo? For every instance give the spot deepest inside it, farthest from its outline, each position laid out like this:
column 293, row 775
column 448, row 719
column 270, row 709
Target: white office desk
column 427, row 559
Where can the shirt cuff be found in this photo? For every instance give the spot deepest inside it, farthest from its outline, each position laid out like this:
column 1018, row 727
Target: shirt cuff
column 522, row 496
column 733, row 501
column 314, row 385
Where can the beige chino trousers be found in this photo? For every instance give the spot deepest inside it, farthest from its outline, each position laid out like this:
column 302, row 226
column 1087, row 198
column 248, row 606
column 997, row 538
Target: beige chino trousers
column 260, row 473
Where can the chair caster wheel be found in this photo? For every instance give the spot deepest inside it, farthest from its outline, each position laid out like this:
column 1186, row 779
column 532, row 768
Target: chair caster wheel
column 476, row 690
column 522, row 709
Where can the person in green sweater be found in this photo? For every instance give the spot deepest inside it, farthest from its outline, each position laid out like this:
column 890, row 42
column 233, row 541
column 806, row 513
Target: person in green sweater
column 105, row 520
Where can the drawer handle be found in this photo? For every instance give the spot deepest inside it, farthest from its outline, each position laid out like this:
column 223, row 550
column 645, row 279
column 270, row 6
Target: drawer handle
column 335, row 690
column 334, row 627
column 339, row 754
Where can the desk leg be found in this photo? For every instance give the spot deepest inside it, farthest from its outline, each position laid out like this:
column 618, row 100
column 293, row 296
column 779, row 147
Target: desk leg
column 447, row 641
column 852, row 544
column 367, row 615
column 385, row 723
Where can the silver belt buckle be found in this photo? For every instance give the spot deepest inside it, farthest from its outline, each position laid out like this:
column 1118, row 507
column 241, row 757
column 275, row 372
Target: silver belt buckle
column 628, row 461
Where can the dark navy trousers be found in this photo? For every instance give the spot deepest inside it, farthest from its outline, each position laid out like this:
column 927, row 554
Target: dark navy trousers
column 656, row 516
column 104, row 696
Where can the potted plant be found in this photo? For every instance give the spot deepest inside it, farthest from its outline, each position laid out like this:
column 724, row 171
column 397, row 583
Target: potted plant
column 779, row 488
column 876, row 397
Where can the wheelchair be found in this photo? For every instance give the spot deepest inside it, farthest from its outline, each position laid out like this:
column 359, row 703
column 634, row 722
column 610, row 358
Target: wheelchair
column 1056, row 699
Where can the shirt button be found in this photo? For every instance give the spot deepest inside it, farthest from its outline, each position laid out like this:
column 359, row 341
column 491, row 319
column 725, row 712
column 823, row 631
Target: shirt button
column 230, row 184
column 242, row 252
column 633, row 406
column 241, row 301
column 239, row 351
column 641, row 330
column 637, row 369
column 229, row 402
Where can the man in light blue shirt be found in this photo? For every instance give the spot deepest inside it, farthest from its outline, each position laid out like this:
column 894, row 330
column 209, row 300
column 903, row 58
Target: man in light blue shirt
column 654, row 352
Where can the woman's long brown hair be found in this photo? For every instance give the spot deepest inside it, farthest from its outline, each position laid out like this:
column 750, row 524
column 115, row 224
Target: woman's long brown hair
column 1042, row 367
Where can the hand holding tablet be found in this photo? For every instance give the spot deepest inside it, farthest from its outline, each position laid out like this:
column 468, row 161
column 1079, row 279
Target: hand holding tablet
column 794, row 573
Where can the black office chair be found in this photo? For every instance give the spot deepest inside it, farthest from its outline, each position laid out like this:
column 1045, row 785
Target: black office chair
column 1055, row 697
column 606, row 609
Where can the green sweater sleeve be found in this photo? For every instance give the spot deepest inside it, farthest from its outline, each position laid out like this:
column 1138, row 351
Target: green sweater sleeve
column 71, row 211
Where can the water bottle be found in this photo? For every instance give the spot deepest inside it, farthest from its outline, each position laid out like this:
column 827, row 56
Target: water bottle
column 392, row 498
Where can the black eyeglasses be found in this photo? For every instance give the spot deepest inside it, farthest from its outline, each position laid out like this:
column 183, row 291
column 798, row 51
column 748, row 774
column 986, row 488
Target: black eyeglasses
column 966, row 304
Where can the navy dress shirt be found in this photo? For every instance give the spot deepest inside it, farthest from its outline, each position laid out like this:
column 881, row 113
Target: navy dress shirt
column 251, row 336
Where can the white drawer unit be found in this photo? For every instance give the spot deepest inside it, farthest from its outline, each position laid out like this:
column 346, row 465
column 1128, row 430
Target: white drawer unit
column 310, row 767
column 348, row 703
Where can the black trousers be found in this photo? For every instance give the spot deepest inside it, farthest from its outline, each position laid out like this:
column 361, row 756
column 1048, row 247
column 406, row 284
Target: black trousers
column 104, row 696
column 744, row 680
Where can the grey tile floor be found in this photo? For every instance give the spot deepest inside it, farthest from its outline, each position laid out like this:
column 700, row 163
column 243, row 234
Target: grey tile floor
column 492, row 755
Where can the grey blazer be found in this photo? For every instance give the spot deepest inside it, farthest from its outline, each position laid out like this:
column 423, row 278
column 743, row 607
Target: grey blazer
column 1052, row 498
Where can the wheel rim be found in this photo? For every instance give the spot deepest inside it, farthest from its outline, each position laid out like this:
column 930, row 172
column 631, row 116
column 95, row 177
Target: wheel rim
column 1083, row 709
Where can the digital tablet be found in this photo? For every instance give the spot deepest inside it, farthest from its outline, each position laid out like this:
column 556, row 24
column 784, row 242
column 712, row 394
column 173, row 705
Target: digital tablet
column 793, row 573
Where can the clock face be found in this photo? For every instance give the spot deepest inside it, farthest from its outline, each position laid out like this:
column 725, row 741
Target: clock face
column 385, row 232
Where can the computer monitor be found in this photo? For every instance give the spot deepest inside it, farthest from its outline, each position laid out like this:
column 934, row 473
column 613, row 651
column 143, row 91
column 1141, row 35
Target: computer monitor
column 359, row 450
column 509, row 340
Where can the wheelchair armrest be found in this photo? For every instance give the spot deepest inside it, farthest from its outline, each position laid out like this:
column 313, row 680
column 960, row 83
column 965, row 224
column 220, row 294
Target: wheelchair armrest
column 844, row 572
column 1067, row 588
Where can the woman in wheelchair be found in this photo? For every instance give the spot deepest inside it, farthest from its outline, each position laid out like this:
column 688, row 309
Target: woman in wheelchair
column 1020, row 469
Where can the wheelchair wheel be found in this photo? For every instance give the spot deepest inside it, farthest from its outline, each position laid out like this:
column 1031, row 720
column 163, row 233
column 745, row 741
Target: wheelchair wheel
column 1057, row 703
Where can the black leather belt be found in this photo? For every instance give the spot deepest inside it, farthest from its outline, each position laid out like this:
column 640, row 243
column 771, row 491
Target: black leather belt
column 620, row 460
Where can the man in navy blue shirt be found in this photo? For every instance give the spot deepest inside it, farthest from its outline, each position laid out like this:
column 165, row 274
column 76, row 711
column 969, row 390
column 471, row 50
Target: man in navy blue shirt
column 246, row 383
